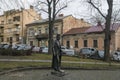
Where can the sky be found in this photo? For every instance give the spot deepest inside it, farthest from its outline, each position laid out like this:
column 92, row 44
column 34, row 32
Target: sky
column 73, row 7
column 78, row 8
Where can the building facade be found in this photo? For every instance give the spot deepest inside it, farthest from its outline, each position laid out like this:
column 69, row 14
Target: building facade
column 13, row 25
column 92, row 37
column 37, row 31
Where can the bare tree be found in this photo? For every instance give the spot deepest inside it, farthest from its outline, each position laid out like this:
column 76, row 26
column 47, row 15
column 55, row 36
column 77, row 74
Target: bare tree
column 52, row 8
column 107, row 18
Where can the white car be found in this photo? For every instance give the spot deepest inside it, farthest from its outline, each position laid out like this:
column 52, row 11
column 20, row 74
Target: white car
column 67, row 51
column 116, row 56
column 36, row 49
column 45, row 50
column 88, row 51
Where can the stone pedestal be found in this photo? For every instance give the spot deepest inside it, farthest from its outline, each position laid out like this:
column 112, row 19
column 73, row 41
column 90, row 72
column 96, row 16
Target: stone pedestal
column 57, row 73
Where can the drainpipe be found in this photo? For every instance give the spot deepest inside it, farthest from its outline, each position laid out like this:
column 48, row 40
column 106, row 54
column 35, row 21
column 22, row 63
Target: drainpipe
column 22, row 28
column 62, row 33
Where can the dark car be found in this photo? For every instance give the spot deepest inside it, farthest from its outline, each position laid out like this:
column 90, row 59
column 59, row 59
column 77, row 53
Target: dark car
column 1, row 45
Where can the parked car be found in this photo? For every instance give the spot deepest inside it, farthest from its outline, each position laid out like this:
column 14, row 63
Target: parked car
column 15, row 46
column 21, row 47
column 6, row 46
column 67, row 51
column 87, row 52
column 36, row 49
column 101, row 54
column 41, row 48
column 45, row 50
column 116, row 56
column 28, row 47
column 2, row 45
column 98, row 55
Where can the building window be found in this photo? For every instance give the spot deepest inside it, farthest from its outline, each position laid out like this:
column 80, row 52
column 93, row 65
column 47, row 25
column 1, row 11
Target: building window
column 39, row 31
column 56, row 30
column 16, row 18
column 17, row 38
column 2, row 22
column 95, row 43
column 76, row 44
column 8, row 39
column 31, row 32
column 2, row 39
column 9, row 21
column 31, row 43
column 68, row 44
column 46, row 30
column 85, row 43
column 9, row 30
column 11, row 39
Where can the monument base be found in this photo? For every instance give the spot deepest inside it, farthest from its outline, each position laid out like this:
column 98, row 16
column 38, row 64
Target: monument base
column 59, row 74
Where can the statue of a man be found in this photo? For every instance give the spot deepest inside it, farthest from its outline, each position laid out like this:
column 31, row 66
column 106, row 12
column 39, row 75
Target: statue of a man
column 57, row 54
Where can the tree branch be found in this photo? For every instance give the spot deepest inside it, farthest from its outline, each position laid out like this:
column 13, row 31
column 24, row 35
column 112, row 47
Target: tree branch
column 57, row 2
column 44, row 10
column 41, row 2
column 90, row 2
column 49, row 2
column 60, row 9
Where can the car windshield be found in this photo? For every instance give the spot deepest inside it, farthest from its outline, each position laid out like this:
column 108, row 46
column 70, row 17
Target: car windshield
column 86, row 50
column 6, row 46
column 63, row 47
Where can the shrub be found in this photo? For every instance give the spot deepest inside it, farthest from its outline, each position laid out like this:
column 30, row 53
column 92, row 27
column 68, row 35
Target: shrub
column 6, row 51
column 15, row 52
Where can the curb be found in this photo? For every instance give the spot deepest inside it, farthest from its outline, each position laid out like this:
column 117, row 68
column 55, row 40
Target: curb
column 36, row 68
column 21, row 69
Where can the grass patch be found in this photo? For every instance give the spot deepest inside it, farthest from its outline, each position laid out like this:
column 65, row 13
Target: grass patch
column 12, row 65
column 49, row 57
column 33, row 56
column 95, row 65
column 90, row 66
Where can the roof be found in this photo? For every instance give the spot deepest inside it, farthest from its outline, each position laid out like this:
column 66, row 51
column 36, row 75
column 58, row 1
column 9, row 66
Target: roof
column 100, row 28
column 92, row 29
column 46, row 20
column 76, row 30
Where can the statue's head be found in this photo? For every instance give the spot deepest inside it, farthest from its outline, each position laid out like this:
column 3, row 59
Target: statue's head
column 58, row 36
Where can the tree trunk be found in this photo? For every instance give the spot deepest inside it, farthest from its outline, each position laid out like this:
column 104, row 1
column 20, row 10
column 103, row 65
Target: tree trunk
column 51, row 25
column 107, row 31
column 50, row 37
column 50, row 41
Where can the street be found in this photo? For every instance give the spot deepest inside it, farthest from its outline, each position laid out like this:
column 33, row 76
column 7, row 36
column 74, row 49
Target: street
column 71, row 75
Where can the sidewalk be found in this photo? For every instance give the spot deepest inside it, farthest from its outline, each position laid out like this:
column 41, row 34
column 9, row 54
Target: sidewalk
column 71, row 75
column 75, row 62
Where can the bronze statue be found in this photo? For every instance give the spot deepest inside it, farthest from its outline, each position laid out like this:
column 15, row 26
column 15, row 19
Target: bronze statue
column 57, row 54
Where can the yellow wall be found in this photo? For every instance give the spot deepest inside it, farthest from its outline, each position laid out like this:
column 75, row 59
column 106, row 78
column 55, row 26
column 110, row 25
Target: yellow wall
column 26, row 16
column 71, row 22
column 65, row 24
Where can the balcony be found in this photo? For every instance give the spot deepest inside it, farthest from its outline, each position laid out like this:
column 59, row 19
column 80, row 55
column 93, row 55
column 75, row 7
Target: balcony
column 1, row 34
column 1, row 25
column 42, row 36
column 16, row 33
column 16, row 22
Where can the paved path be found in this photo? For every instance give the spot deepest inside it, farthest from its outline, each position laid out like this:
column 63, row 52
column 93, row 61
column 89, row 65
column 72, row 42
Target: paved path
column 71, row 75
column 29, row 60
